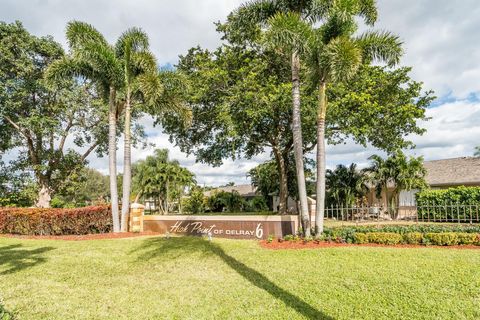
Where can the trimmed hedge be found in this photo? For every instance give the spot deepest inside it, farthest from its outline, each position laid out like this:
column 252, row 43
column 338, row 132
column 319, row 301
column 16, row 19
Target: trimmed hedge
column 38, row 221
column 459, row 203
column 416, row 234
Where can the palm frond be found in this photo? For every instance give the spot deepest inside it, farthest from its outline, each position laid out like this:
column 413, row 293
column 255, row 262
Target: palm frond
column 143, row 62
column 288, row 32
column 341, row 58
column 253, row 12
column 132, row 40
column 381, row 46
column 80, row 33
column 102, row 60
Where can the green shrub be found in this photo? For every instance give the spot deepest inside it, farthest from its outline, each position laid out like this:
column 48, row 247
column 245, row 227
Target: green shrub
column 384, row 237
column 288, row 237
column 360, row 238
column 413, row 238
column 53, row 221
column 442, row 239
column 457, row 203
column 468, row 238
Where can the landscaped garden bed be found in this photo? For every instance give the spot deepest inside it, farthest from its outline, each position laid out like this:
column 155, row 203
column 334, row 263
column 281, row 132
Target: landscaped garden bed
column 405, row 236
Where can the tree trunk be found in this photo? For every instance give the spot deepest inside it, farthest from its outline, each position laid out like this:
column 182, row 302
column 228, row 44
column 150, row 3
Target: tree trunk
column 112, row 156
column 127, row 166
column 283, row 190
column 44, row 197
column 298, row 145
column 320, row 203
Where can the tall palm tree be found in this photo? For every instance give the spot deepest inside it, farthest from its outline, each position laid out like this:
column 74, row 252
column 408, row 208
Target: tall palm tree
column 92, row 57
column 288, row 30
column 336, row 55
column 138, row 66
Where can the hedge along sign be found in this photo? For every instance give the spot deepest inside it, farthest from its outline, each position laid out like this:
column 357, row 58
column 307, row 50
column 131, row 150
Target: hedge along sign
column 259, row 227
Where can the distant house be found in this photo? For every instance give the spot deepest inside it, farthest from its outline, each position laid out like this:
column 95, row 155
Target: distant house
column 441, row 174
column 246, row 191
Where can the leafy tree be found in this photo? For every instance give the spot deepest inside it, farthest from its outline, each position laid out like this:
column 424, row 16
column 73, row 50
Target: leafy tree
column 477, row 152
column 336, row 55
column 266, row 179
column 241, row 106
column 85, row 187
column 345, row 185
column 38, row 119
column 195, row 202
column 221, row 201
column 160, row 178
column 396, row 173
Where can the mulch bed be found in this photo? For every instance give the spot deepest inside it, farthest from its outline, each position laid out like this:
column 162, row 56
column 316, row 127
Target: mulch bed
column 96, row 236
column 276, row 245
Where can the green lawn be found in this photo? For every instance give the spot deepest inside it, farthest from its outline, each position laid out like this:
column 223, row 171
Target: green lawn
column 191, row 278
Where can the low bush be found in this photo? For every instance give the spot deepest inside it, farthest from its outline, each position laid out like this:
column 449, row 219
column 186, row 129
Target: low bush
column 413, row 238
column 384, row 237
column 360, row 238
column 37, row 221
column 468, row 238
column 442, row 239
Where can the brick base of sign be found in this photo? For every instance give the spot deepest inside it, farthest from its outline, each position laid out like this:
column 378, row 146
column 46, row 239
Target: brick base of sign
column 236, row 227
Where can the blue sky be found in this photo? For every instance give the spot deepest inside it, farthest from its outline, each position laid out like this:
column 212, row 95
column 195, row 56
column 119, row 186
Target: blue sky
column 440, row 38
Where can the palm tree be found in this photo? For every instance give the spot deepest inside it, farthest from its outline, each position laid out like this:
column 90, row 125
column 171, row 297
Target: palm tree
column 139, row 66
column 288, row 23
column 394, row 174
column 345, row 184
column 93, row 58
column 336, row 55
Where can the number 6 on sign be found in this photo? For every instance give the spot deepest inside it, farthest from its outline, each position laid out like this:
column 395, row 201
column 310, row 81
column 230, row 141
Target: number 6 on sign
column 259, row 231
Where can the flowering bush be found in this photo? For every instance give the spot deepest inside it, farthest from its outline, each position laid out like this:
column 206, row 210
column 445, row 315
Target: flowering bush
column 53, row 221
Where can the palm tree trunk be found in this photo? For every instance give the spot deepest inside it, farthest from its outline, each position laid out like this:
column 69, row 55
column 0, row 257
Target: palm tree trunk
column 112, row 157
column 283, row 188
column 298, row 144
column 320, row 203
column 127, row 165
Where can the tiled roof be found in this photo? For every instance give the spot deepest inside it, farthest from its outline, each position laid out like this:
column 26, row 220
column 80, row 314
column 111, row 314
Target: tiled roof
column 245, row 190
column 456, row 171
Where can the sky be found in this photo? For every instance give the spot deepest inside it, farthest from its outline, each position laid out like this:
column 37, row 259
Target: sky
column 441, row 43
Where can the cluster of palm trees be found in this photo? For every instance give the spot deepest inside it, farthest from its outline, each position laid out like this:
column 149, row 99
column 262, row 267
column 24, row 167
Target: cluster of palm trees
column 323, row 34
column 127, row 76
column 157, row 177
column 347, row 185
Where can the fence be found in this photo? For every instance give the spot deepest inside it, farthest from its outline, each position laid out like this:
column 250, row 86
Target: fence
column 448, row 212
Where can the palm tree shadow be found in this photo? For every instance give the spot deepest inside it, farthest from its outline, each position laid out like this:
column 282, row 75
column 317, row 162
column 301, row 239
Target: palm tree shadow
column 159, row 246
column 16, row 258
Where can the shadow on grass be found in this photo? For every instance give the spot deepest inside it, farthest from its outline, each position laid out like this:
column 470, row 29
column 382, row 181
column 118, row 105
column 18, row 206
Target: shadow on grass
column 17, row 258
column 175, row 247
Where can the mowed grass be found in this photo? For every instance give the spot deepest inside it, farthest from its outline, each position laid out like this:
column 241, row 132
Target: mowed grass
column 191, row 278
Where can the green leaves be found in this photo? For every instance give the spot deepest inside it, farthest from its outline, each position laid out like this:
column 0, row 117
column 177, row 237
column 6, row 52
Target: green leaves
column 288, row 33
column 380, row 46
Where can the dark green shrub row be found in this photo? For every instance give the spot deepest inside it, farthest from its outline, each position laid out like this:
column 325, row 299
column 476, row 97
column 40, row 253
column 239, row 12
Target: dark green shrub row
column 460, row 203
column 347, row 234
column 36, row 221
column 438, row 239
